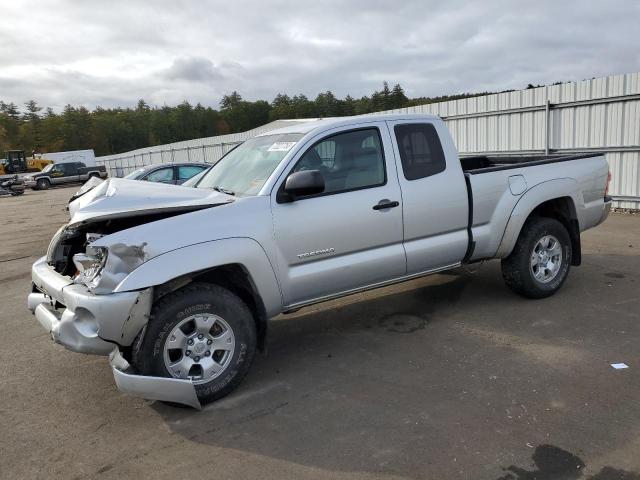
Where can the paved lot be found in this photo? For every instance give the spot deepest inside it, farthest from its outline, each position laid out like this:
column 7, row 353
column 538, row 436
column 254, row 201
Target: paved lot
column 446, row 377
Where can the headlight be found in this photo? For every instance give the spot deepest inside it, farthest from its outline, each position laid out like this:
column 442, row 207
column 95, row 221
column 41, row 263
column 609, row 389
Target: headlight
column 89, row 265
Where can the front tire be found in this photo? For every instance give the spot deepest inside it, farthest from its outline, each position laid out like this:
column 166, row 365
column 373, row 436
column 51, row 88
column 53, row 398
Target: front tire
column 540, row 261
column 43, row 184
column 202, row 332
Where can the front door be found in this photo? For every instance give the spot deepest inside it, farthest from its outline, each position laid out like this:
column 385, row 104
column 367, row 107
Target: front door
column 349, row 236
column 57, row 174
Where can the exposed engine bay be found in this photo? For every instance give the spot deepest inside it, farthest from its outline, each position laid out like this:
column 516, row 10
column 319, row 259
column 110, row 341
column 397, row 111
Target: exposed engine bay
column 72, row 240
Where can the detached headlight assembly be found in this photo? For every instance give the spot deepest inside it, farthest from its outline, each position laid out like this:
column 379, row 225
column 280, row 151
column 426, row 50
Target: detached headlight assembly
column 89, row 265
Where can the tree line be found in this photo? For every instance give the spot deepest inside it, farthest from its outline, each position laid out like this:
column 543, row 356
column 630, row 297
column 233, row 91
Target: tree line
column 116, row 130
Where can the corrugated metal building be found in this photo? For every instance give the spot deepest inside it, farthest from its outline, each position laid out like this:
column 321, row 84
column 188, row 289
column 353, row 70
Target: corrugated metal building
column 602, row 114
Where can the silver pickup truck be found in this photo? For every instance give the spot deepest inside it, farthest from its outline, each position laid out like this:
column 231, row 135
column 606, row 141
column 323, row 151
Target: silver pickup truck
column 176, row 284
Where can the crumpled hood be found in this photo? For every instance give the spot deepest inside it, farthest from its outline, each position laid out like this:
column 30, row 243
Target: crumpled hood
column 119, row 198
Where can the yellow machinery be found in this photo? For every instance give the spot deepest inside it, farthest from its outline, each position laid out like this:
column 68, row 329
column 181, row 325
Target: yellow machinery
column 16, row 162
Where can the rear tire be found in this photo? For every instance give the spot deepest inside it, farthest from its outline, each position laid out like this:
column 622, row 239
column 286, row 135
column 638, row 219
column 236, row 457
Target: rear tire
column 219, row 340
column 541, row 259
column 43, row 184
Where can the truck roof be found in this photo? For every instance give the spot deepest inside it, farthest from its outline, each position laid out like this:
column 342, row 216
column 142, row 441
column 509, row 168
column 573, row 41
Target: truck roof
column 325, row 123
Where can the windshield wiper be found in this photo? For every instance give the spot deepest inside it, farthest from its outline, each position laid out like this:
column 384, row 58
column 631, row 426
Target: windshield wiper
column 223, row 190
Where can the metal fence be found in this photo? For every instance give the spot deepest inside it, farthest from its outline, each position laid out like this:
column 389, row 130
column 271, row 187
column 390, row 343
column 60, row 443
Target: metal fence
column 597, row 115
column 124, row 164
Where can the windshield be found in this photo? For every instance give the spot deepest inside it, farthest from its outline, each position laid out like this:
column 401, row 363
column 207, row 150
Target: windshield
column 135, row 173
column 246, row 168
column 48, row 167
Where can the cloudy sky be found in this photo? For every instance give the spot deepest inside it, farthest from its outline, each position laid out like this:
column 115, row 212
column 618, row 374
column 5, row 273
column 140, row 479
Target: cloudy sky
column 114, row 52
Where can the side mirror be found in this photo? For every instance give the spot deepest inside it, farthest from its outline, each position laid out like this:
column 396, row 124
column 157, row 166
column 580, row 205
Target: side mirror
column 306, row 182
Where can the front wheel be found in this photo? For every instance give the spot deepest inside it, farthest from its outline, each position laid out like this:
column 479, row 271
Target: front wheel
column 203, row 333
column 541, row 259
column 43, row 184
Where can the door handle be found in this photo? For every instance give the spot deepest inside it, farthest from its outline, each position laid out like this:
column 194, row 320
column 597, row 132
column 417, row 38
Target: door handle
column 384, row 204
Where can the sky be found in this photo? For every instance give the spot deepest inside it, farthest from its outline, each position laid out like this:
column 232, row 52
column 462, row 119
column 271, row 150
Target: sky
column 112, row 53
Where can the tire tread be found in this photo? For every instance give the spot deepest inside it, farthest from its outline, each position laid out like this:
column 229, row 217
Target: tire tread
column 515, row 268
column 147, row 363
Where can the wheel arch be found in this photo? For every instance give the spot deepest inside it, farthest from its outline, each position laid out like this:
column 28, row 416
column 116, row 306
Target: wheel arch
column 238, row 280
column 40, row 179
column 253, row 279
column 558, row 199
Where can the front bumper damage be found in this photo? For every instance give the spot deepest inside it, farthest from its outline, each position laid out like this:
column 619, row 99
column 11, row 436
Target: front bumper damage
column 152, row 388
column 100, row 325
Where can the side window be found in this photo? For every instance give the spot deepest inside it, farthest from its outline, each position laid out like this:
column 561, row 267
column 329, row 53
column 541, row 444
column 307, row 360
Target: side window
column 163, row 175
column 420, row 150
column 347, row 161
column 186, row 172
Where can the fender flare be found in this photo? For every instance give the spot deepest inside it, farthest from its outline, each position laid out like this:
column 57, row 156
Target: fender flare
column 532, row 198
column 205, row 256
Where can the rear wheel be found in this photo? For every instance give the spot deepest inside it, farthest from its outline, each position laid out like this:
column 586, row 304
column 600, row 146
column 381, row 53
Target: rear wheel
column 203, row 333
column 43, row 184
column 541, row 259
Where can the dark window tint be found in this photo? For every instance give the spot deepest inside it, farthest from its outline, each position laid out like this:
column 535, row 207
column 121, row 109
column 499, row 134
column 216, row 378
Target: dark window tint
column 347, row 161
column 68, row 168
column 420, row 150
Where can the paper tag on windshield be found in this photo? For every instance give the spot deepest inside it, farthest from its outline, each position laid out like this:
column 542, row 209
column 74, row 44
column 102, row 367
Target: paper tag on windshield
column 281, row 146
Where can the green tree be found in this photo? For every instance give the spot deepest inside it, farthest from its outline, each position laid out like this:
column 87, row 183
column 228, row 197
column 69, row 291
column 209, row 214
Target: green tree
column 116, row 130
column 281, row 107
column 230, row 101
column 382, row 100
column 398, row 97
column 31, row 128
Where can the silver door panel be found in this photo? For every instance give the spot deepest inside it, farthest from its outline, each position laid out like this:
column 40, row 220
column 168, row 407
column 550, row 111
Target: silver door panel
column 431, row 252
column 338, row 242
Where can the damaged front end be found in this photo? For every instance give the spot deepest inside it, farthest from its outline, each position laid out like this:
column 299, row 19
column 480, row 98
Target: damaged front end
column 73, row 253
column 73, row 299
column 74, row 294
column 166, row 389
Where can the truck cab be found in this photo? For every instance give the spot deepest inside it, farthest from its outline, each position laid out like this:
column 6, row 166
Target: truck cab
column 376, row 178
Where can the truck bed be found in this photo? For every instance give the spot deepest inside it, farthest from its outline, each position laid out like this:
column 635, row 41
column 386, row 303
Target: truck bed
column 497, row 183
column 484, row 163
